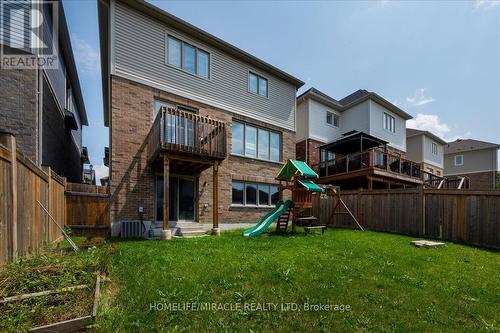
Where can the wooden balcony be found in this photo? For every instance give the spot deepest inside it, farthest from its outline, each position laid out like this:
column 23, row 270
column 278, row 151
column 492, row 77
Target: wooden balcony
column 185, row 135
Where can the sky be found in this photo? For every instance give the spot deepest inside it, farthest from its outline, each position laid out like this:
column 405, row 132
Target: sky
column 438, row 61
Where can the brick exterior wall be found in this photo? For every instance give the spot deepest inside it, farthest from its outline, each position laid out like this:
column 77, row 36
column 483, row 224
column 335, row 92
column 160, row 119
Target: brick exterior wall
column 133, row 180
column 435, row 169
column 18, row 109
column 481, row 180
column 313, row 154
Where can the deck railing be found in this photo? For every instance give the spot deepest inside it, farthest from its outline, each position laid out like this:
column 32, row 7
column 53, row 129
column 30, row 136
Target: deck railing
column 383, row 160
column 371, row 158
column 186, row 132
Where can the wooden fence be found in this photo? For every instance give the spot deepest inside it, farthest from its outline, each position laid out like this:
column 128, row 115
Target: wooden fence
column 87, row 210
column 466, row 216
column 24, row 189
column 27, row 190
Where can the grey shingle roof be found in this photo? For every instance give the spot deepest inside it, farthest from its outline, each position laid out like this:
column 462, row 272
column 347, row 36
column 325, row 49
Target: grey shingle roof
column 462, row 145
column 354, row 96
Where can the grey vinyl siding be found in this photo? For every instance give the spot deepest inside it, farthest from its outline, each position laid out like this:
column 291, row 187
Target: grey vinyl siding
column 140, row 54
column 474, row 161
column 429, row 157
column 16, row 30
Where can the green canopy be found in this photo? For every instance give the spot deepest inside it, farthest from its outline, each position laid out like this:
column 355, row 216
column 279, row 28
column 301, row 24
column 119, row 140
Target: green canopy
column 296, row 168
column 310, row 185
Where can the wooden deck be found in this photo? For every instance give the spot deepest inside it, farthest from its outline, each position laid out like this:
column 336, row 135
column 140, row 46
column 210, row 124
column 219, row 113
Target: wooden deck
column 377, row 168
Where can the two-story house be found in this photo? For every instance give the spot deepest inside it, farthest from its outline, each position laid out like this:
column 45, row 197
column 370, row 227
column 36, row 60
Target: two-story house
column 42, row 106
column 198, row 127
column 477, row 160
column 357, row 141
column 427, row 149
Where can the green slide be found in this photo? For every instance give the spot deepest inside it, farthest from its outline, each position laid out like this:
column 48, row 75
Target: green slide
column 265, row 221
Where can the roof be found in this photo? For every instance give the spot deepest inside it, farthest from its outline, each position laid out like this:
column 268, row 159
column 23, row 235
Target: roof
column 462, row 145
column 414, row 132
column 294, row 168
column 67, row 51
column 352, row 142
column 357, row 97
column 315, row 94
column 182, row 26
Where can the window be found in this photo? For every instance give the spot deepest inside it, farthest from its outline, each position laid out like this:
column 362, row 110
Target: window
column 257, row 84
column 188, row 57
column 238, row 197
column 263, row 144
column 256, row 142
column 389, row 123
column 459, row 160
column 238, row 138
column 332, row 119
column 203, row 63
column 434, row 148
column 275, row 146
column 250, row 141
column 174, row 51
column 254, row 194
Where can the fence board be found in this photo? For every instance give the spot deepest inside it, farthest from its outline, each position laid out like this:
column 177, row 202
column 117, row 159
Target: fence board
column 467, row 216
column 24, row 226
column 87, row 209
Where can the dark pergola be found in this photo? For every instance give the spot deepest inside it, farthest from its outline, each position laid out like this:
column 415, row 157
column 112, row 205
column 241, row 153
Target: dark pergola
column 353, row 142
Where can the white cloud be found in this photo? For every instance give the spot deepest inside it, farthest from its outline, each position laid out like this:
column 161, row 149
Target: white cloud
column 101, row 171
column 429, row 122
column 486, row 4
column 419, row 98
column 86, row 56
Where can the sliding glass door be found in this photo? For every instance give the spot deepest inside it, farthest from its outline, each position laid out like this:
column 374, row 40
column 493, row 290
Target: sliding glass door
column 182, row 198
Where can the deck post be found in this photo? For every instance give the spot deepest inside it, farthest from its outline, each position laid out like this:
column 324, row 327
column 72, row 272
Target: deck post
column 215, row 198
column 166, row 233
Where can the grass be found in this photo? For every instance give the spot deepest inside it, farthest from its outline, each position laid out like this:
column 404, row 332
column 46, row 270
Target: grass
column 388, row 284
column 49, row 271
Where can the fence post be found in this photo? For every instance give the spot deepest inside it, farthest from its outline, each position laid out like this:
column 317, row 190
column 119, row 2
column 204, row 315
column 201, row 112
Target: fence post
column 10, row 142
column 421, row 208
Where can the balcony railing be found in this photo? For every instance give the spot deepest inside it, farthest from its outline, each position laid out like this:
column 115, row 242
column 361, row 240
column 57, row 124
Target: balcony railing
column 187, row 133
column 372, row 158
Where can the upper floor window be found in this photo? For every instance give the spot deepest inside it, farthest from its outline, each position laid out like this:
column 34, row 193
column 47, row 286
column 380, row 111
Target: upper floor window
column 434, row 148
column 188, row 57
column 332, row 119
column 389, row 123
column 254, row 142
column 459, row 160
column 257, row 84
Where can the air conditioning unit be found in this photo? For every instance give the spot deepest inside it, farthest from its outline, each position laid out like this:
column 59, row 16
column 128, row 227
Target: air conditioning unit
column 130, row 229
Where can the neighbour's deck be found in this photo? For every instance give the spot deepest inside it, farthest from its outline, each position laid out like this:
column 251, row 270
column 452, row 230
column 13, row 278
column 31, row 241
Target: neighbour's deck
column 375, row 165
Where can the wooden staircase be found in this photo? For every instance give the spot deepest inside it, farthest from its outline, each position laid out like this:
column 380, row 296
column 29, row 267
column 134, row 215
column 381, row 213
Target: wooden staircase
column 282, row 223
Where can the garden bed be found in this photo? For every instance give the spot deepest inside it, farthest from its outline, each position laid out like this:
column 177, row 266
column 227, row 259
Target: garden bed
column 49, row 272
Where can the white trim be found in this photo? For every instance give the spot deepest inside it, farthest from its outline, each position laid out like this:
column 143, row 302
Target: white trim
column 182, row 93
column 255, row 73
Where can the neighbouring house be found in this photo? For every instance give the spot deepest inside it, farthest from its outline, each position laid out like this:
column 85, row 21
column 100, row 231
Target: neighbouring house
column 198, row 127
column 477, row 160
column 43, row 107
column 427, row 149
column 89, row 175
column 357, row 141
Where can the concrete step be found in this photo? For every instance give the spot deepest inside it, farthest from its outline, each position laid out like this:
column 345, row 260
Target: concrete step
column 187, row 233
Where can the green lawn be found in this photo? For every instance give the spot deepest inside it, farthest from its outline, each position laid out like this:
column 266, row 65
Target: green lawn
column 388, row 284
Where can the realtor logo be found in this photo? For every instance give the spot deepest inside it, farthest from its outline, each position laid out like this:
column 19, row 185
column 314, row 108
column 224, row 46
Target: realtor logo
column 29, row 34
